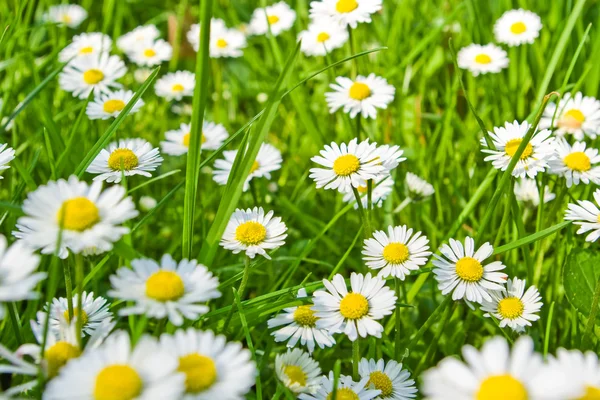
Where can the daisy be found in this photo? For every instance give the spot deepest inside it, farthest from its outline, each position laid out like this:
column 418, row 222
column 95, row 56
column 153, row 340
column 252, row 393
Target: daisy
column 278, row 18
column 582, row 368
column 321, row 37
column 396, row 253
column 267, row 160
column 344, row 12
column 253, row 232
column 118, row 370
column 517, row 27
column 577, row 115
column 176, row 85
column 98, row 72
column 354, row 313
column 86, row 216
column 576, row 163
column 7, row 154
column 298, row 371
column 94, row 311
column 110, row 104
column 178, row 140
column 126, row 157
column 513, row 306
column 460, row 271
column 86, row 44
column 393, row 381
column 132, row 41
column 495, row 372
column 224, row 42
column 346, row 166
column 169, row 289
column 382, row 188
column 151, row 53
column 587, row 216
column 347, row 389
column 300, row 324
column 507, row 140
column 484, row 59
column 417, row 189
column 213, row 368
column 363, row 95
column 71, row 15
column 526, row 190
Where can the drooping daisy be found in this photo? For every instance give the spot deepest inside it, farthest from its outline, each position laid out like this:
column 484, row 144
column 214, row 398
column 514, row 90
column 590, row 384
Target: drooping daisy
column 507, row 140
column 300, row 326
column 132, row 41
column 151, row 53
column 346, row 166
column 118, row 370
column 576, row 163
column 176, row 85
column 224, row 42
column 354, row 313
column 363, row 95
column 526, row 190
column 495, row 372
column 389, row 378
column 94, row 311
column 254, row 232
column 110, row 104
column 416, row 188
column 583, row 369
column 71, row 15
column 267, row 160
column 213, row 368
column 86, row 44
column 87, row 216
column 587, row 216
column 98, row 72
column 345, row 12
column 279, row 17
column 460, row 271
column 577, row 115
column 347, row 389
column 321, row 37
column 396, row 253
column 484, row 59
column 169, row 289
column 382, row 187
column 178, row 140
column 298, row 371
column 126, row 157
column 7, row 154
column 517, row 27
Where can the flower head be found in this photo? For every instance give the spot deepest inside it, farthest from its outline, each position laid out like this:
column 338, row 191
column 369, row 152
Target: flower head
column 587, row 215
column 418, row 189
column 576, row 163
column 176, row 85
column 345, row 12
column 576, row 115
column 224, row 42
column 277, row 18
column 298, row 371
column 97, row 72
column 110, row 104
column 321, row 37
column 389, row 378
column 86, row 44
column 517, row 27
column 363, row 95
column 7, row 154
column 267, row 160
column 484, row 59
column 178, row 141
column 70, row 15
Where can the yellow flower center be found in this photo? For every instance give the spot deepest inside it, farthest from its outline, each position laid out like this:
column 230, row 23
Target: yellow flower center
column 117, row 382
column 295, row 374
column 359, row 91
column 382, row 382
column 362, row 189
column 344, row 394
column 573, row 119
column 66, row 18
column 578, row 161
column 254, row 167
column 78, row 214
column 178, row 87
column 250, row 233
column 149, row 53
column 221, row 43
column 501, row 387
column 346, row 165
column 469, row 269
column 165, row 286
column 322, row 37
column 122, row 158
column 111, row 106
column 58, row 355
column 304, row 316
column 186, row 139
column 483, row 59
column 512, row 145
column 200, row 372
column 510, row 308
column 273, row 19
column 86, row 50
column 84, row 316
column 354, row 306
column 518, row 27
column 591, row 393
column 346, row 6
column 93, row 76
column 395, row 253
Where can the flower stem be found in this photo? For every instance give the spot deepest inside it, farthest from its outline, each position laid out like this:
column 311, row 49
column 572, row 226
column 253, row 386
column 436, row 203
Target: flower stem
column 79, row 280
column 398, row 322
column 241, row 291
column 402, row 205
column 355, row 358
column 68, row 288
column 363, row 213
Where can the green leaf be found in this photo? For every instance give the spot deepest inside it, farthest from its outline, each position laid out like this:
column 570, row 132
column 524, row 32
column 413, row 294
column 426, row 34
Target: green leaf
column 580, row 278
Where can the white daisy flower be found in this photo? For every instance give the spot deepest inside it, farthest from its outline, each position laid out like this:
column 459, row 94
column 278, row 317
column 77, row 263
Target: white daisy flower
column 517, row 27
column 224, row 42
column 345, row 12
column 418, row 189
column 279, row 16
column 347, row 166
column 576, row 163
column 7, row 154
column 526, row 190
column 151, row 53
column 513, row 306
column 389, row 157
column 298, row 371
column 495, row 372
column 484, row 59
column 322, row 36
column 213, row 368
column 389, row 378
column 382, row 188
column 253, row 232
column 118, row 370
column 507, row 139
column 583, row 370
column 147, row 203
column 587, row 216
column 461, row 271
column 71, row 15
column 127, row 157
column 178, row 140
column 94, row 312
column 131, row 41
column 98, row 72
column 354, row 313
column 141, row 74
column 86, row 44
column 300, row 324
column 577, row 115
column 396, row 253
column 110, row 104
column 363, row 95
column 169, row 289
column 267, row 160
column 347, row 389
column 176, row 85
column 86, row 215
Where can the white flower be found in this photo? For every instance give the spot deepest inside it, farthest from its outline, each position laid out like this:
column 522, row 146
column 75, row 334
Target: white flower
column 97, row 72
column 86, row 44
column 382, row 188
column 396, row 253
column 7, row 154
column 300, row 324
column 587, row 216
column 279, row 16
column 417, row 188
column 176, row 85
column 526, row 190
column 576, row 115
column 345, row 12
column 141, row 74
column 389, row 157
column 461, row 272
column 298, row 371
column 171, row 290
column 178, row 140
column 147, row 203
column 363, row 95
column 322, row 36
column 583, row 370
column 517, row 27
column 346, row 389
column 253, row 232
column 267, row 160
column 576, row 163
column 87, row 216
column 94, row 312
column 393, row 381
column 224, row 42
column 132, row 41
column 71, row 15
column 507, row 140
column 126, row 157
column 110, row 104
column 151, row 53
column 484, row 59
